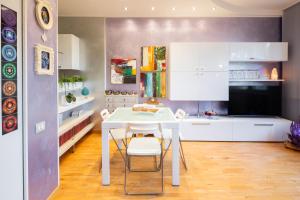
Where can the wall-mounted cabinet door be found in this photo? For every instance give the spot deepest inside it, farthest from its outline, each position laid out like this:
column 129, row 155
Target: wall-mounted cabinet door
column 199, row 86
column 68, row 52
column 184, row 57
column 199, row 56
column 258, row 52
column 213, row 56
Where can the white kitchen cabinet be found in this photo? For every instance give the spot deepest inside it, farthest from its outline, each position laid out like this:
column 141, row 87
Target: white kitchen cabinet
column 68, row 52
column 199, row 56
column 199, row 71
column 258, row 51
column 253, row 130
column 206, row 130
column 248, row 129
column 199, row 86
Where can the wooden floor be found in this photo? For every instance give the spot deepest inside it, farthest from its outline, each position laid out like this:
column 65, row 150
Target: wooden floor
column 217, row 171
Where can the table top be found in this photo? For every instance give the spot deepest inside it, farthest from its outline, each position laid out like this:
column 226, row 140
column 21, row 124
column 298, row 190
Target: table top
column 125, row 115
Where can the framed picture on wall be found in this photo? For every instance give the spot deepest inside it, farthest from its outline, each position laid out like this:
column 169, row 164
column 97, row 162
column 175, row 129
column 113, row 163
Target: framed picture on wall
column 44, row 60
column 123, row 71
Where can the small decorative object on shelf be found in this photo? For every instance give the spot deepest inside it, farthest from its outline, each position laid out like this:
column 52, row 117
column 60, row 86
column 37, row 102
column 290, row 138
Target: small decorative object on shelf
column 274, row 74
column 70, row 98
column 115, row 92
column 85, row 91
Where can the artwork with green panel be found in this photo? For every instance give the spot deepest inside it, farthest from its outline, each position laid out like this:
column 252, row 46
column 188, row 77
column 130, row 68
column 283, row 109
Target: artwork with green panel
column 153, row 72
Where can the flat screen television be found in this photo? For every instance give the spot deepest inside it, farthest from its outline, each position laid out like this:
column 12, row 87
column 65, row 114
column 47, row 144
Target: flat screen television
column 254, row 100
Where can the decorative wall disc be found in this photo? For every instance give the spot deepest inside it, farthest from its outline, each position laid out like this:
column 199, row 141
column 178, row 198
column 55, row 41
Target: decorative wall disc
column 9, row 106
column 9, row 70
column 9, row 88
column 9, row 52
column 9, row 17
column 9, row 124
column 9, row 35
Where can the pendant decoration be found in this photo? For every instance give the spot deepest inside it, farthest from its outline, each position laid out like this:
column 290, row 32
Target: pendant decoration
column 9, row 52
column 44, row 16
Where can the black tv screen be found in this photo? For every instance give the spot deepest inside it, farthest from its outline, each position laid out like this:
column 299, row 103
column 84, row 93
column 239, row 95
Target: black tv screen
column 255, row 100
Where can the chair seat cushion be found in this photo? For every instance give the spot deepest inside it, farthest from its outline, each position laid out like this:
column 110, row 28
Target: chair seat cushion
column 145, row 146
column 119, row 133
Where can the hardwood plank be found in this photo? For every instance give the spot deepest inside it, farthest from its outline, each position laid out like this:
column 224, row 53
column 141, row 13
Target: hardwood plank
column 217, row 170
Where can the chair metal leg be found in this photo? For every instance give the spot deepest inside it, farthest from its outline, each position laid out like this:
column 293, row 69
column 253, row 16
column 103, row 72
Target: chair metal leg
column 182, row 155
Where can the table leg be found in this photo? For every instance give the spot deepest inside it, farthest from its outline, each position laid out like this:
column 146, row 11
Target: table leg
column 175, row 157
column 105, row 157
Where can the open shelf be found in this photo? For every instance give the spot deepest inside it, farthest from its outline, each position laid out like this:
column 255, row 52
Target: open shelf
column 68, row 124
column 71, row 142
column 62, row 109
column 257, row 80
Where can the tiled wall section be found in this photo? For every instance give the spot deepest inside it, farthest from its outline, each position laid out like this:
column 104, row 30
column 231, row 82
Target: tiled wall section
column 125, row 37
column 42, row 106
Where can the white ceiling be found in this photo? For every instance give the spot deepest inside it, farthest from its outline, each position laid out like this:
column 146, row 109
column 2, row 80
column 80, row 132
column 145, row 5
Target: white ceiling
column 172, row 8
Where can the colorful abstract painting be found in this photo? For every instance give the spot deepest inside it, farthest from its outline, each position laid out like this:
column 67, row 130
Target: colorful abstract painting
column 123, row 71
column 153, row 72
column 8, row 71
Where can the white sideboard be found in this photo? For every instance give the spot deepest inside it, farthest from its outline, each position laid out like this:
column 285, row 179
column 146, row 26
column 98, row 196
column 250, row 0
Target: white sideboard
column 199, row 71
column 114, row 101
column 235, row 129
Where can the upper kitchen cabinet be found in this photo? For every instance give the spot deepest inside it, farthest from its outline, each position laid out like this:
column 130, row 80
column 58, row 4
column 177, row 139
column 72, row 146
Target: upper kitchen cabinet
column 202, row 56
column 68, row 52
column 258, row 52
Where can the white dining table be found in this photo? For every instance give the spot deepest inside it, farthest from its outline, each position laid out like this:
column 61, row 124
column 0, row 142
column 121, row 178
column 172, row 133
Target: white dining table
column 121, row 117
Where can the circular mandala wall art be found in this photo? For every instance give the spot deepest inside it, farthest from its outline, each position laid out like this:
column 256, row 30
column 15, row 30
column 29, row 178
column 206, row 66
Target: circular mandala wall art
column 9, row 17
column 9, row 35
column 9, row 52
column 9, row 106
column 9, row 124
column 9, row 70
column 9, row 88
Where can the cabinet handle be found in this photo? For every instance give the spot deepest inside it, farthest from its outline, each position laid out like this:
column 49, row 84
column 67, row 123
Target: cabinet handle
column 251, row 58
column 263, row 124
column 200, row 124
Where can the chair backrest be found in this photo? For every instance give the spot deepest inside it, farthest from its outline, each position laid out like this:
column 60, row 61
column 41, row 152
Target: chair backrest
column 145, row 128
column 104, row 114
column 180, row 114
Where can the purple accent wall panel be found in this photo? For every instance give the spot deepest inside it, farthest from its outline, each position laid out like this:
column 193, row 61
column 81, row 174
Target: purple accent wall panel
column 42, row 106
column 126, row 36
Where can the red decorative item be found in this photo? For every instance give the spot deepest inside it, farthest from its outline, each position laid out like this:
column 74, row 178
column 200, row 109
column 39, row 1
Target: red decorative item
column 9, row 124
column 9, row 106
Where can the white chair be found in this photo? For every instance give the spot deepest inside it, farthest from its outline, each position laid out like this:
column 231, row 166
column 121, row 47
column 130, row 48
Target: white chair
column 167, row 134
column 117, row 135
column 144, row 147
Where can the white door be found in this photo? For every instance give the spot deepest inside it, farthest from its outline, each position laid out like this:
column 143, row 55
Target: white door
column 11, row 138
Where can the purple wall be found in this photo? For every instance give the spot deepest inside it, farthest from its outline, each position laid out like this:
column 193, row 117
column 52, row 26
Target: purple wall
column 42, row 106
column 125, row 37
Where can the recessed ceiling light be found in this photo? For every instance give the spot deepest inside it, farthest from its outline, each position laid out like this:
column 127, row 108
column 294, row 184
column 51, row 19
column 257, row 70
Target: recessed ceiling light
column 194, row 8
column 153, row 8
column 125, row 8
column 173, row 8
column 213, row 8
